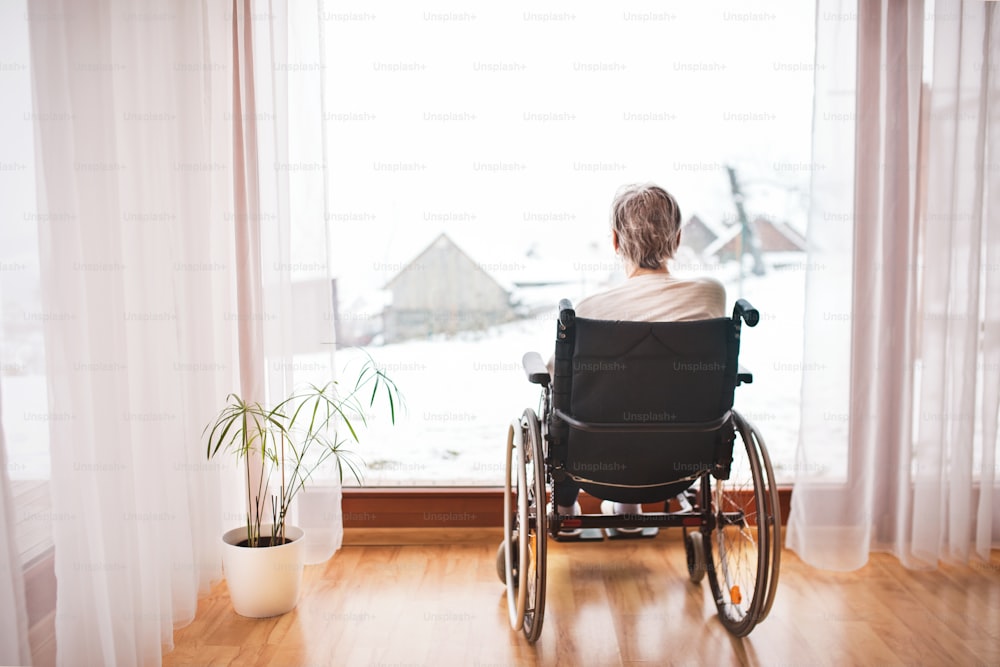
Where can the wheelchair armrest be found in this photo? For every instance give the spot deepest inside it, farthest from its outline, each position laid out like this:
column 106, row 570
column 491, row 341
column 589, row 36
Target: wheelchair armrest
column 749, row 314
column 535, row 368
column 743, row 376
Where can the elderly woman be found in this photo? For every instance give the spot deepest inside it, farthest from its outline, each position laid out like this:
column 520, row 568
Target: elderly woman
column 645, row 232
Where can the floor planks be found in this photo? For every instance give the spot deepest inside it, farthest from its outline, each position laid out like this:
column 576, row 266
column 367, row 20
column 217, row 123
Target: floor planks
column 610, row 603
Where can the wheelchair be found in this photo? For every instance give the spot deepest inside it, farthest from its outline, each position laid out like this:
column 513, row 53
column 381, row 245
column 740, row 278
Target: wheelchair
column 642, row 412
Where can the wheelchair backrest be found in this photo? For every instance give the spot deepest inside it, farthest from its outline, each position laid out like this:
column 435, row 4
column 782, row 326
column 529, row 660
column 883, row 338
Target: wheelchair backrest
column 631, row 372
column 641, row 408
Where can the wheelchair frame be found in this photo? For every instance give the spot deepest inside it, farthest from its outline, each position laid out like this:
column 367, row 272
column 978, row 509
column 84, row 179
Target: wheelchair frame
column 724, row 526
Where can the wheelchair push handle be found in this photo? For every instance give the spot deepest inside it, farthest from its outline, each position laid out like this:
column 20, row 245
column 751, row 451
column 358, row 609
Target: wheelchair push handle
column 567, row 316
column 749, row 314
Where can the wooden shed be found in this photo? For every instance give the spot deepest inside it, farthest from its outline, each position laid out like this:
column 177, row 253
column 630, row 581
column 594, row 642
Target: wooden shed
column 444, row 291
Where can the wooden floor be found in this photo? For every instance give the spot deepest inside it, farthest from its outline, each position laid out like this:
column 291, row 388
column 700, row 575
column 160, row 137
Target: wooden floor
column 610, row 603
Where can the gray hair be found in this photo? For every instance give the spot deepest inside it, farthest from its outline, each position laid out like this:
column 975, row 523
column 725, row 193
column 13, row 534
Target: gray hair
column 646, row 219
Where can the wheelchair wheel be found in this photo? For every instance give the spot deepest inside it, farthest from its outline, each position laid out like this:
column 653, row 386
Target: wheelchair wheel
column 744, row 545
column 523, row 548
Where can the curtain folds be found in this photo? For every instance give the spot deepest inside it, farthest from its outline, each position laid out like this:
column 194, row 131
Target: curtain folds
column 954, row 476
column 137, row 289
column 247, row 208
column 291, row 119
column 179, row 211
column 921, row 396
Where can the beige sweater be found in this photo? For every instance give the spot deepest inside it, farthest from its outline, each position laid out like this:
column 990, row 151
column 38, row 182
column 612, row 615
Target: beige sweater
column 657, row 297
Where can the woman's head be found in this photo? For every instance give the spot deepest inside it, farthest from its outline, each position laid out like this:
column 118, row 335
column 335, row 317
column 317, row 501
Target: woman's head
column 646, row 221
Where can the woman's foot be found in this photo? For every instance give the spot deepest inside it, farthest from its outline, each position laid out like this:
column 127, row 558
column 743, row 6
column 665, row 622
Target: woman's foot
column 570, row 511
column 613, row 508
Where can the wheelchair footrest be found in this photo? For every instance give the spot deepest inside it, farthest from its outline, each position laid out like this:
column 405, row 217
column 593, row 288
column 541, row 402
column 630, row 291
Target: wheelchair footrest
column 617, row 534
column 595, row 526
column 586, row 535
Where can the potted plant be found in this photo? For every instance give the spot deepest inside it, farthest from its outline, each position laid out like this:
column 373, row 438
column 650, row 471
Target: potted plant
column 280, row 447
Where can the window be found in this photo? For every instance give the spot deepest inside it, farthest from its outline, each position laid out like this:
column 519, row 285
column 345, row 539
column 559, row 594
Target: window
column 490, row 141
column 474, row 153
column 25, row 410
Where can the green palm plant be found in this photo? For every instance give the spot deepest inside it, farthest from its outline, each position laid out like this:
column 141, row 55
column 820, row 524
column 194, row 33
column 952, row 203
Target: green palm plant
column 293, row 439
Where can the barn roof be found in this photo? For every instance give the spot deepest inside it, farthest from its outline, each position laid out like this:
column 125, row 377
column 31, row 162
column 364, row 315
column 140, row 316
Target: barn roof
column 491, row 270
column 698, row 234
column 774, row 237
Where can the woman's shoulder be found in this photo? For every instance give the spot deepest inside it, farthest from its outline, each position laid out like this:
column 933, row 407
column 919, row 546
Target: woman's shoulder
column 658, row 297
column 708, row 283
column 707, row 291
column 706, row 280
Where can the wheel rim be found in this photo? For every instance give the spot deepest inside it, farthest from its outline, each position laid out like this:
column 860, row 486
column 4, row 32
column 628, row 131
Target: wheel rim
column 516, row 593
column 742, row 559
column 738, row 547
column 774, row 518
column 535, row 570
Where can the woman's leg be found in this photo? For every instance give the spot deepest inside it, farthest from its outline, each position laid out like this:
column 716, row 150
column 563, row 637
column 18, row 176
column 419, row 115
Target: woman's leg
column 565, row 492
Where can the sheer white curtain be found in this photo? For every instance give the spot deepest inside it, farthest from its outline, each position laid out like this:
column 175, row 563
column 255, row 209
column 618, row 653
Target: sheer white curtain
column 168, row 258
column 955, row 502
column 137, row 275
column 296, row 315
column 14, row 649
column 901, row 339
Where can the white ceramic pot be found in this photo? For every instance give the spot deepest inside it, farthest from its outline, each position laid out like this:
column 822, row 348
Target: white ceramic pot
column 263, row 581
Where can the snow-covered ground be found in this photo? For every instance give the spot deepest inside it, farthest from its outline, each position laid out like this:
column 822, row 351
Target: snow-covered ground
column 462, row 392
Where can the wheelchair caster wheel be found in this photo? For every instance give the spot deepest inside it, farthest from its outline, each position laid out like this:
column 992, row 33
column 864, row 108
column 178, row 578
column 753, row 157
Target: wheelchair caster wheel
column 694, row 548
column 501, row 565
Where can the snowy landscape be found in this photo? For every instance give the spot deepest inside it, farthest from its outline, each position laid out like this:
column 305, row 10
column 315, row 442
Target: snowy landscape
column 462, row 392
